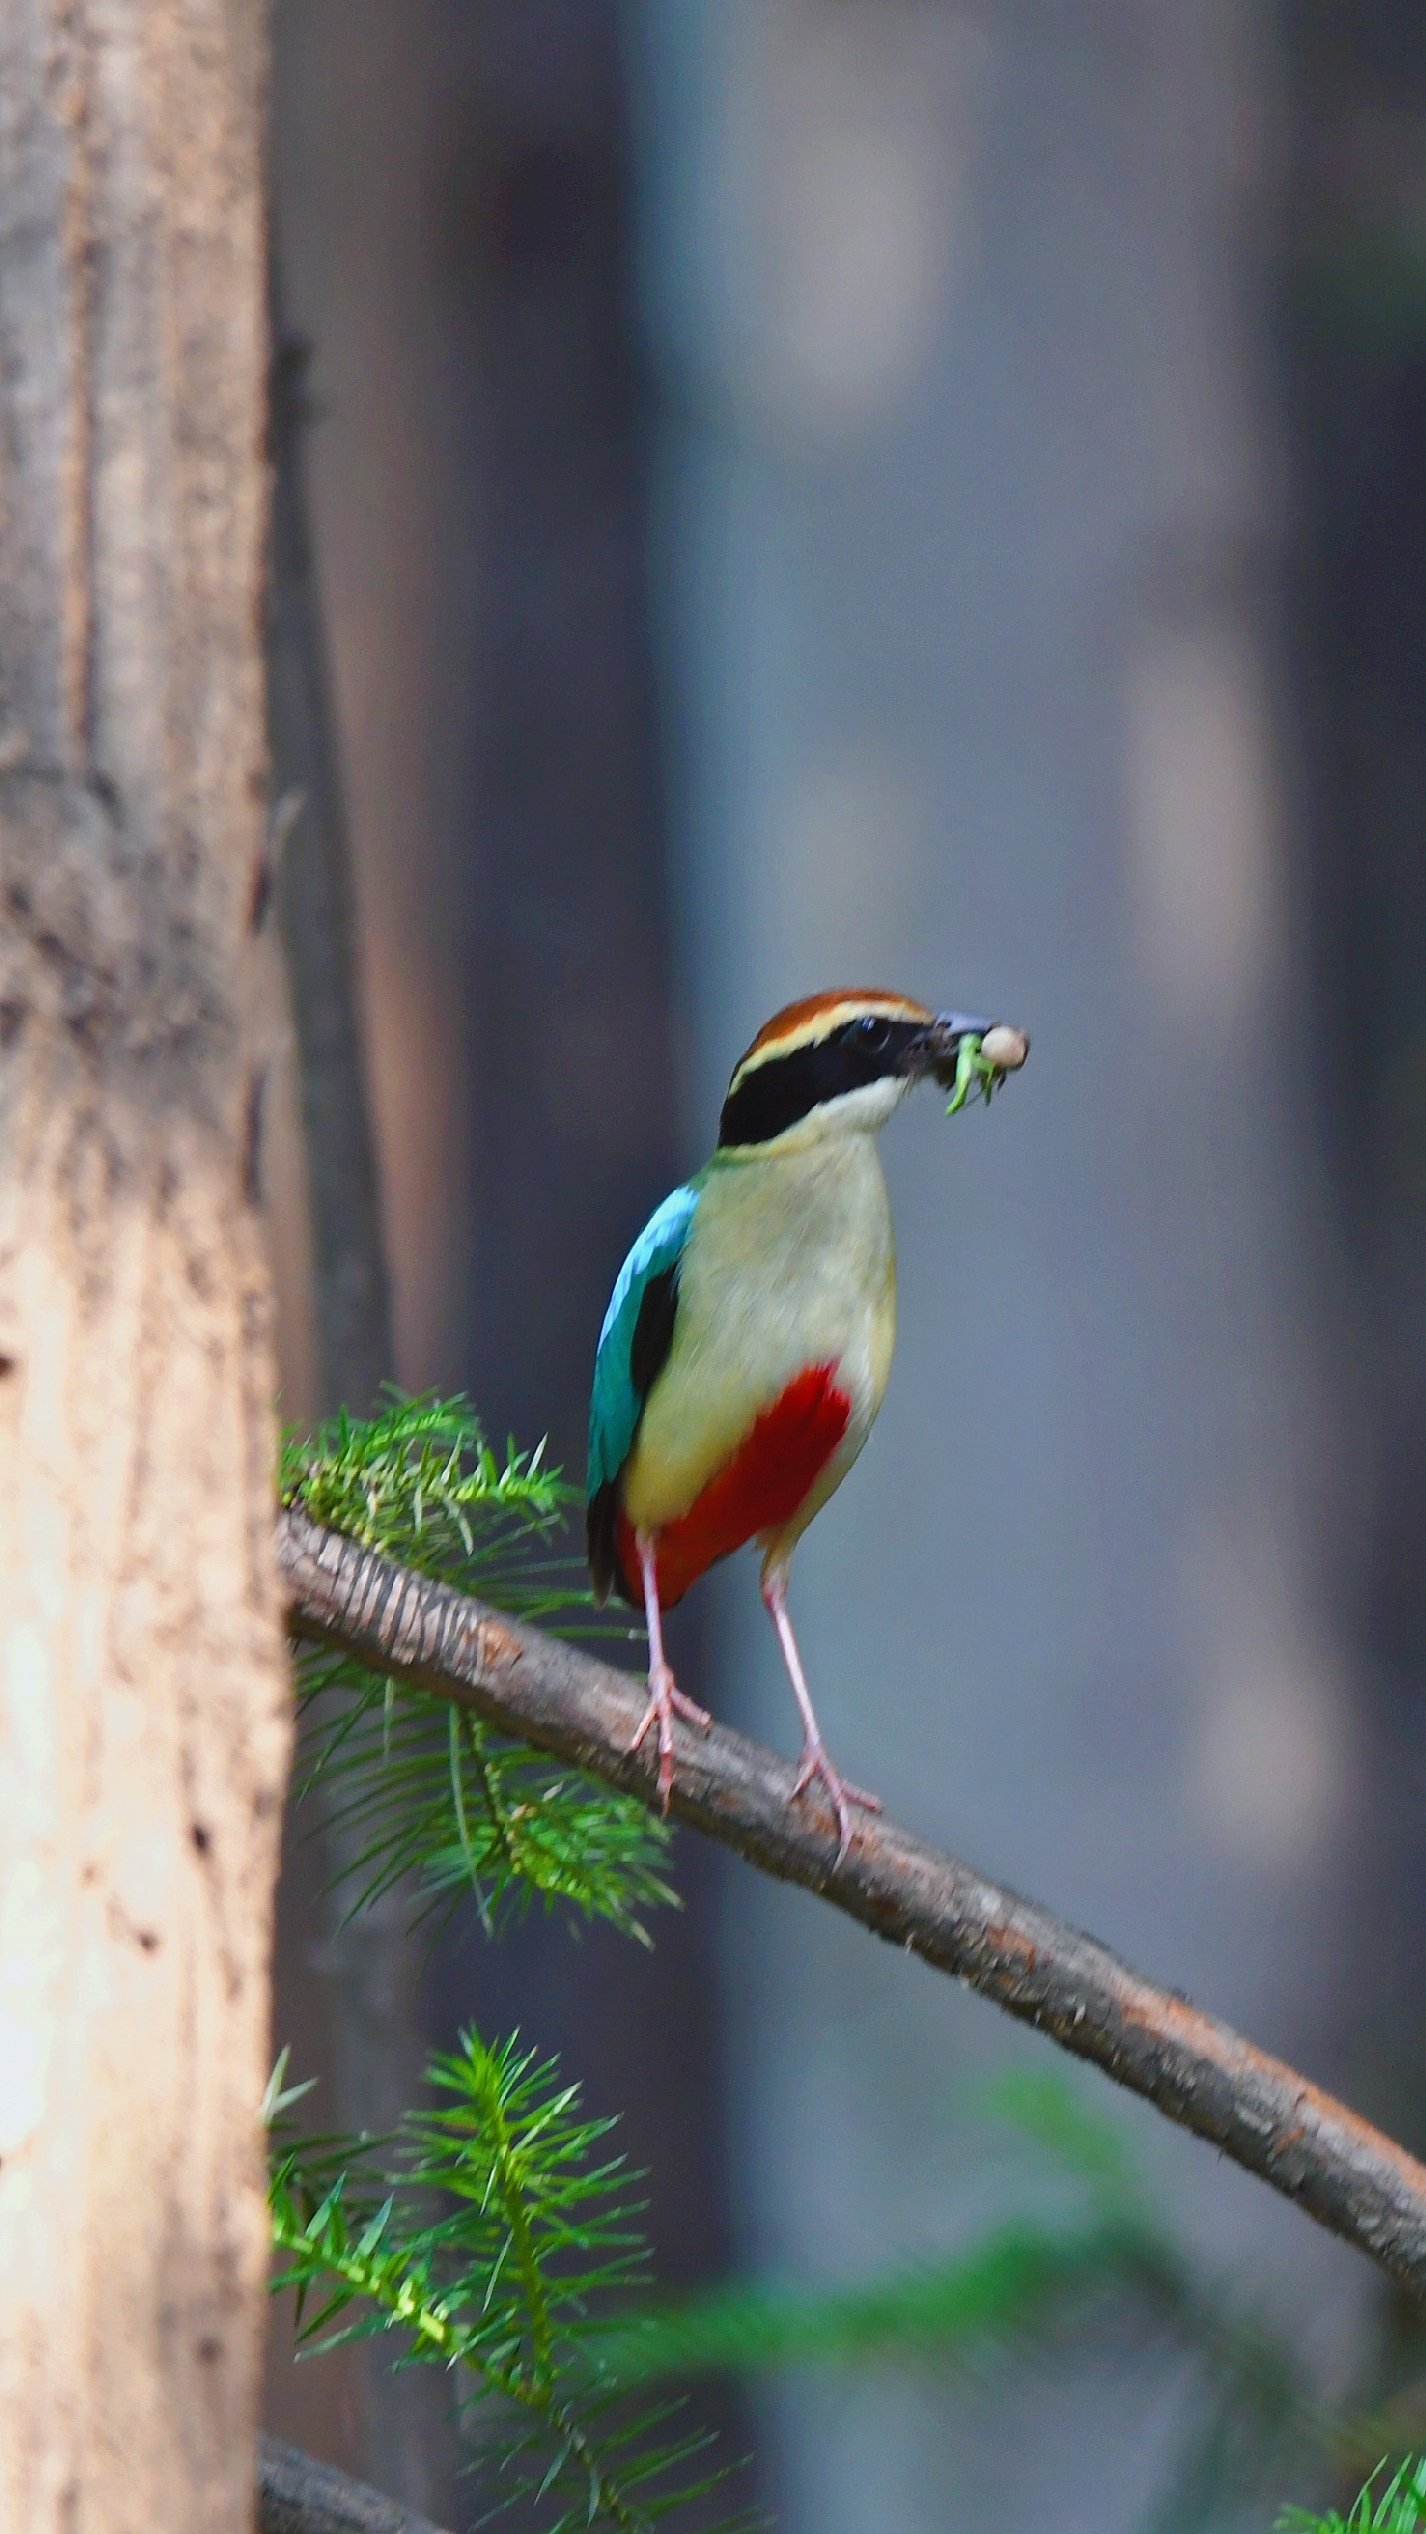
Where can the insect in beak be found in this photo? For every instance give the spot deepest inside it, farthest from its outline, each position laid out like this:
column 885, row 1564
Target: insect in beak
column 965, row 1054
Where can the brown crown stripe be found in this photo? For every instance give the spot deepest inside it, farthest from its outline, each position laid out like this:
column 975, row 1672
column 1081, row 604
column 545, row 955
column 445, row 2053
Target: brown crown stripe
column 797, row 1021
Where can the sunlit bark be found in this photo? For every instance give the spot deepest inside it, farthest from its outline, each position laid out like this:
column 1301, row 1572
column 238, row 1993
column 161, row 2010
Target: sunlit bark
column 143, row 1715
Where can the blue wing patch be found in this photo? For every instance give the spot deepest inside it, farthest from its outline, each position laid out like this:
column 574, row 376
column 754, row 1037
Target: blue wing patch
column 617, row 1401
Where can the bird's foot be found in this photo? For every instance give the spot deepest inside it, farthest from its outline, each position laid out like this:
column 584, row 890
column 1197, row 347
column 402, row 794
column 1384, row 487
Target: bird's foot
column 666, row 1700
column 815, row 1763
column 690, row 1711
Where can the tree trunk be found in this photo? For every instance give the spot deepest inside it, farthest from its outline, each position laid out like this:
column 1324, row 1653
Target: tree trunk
column 143, row 1717
column 355, row 1353
column 371, row 1963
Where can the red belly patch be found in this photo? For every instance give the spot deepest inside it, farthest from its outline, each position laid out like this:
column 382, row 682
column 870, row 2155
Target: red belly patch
column 770, row 1474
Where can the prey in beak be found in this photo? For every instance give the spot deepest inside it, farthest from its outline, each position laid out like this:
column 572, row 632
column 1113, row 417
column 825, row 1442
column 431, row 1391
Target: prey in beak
column 964, row 1053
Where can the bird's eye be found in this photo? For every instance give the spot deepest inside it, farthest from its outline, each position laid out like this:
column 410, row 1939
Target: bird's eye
column 873, row 1033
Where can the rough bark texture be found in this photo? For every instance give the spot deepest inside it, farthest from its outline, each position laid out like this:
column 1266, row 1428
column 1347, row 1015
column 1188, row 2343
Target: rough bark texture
column 143, row 1714
column 1262, row 2113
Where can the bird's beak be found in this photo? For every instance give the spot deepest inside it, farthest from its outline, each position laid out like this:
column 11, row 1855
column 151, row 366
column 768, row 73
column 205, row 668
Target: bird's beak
column 937, row 1050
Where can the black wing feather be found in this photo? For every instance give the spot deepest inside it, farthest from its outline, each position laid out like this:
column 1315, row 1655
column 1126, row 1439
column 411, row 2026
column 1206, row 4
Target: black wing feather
column 653, row 1331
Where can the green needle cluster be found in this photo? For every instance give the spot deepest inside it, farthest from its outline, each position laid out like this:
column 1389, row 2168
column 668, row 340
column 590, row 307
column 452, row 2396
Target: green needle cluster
column 1397, row 2506
column 494, row 2233
column 420, row 1483
column 486, row 2241
column 430, row 1797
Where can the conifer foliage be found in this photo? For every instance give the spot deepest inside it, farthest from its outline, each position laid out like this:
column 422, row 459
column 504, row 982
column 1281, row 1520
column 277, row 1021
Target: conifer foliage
column 432, row 1794
column 495, row 2235
column 1394, row 2505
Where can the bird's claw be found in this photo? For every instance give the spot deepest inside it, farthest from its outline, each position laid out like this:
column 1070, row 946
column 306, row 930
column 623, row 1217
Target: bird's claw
column 690, row 1711
column 666, row 1700
column 815, row 1763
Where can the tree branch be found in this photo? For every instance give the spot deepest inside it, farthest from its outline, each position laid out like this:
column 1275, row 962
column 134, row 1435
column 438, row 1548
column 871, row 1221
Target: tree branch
column 1197, row 2071
column 298, row 2495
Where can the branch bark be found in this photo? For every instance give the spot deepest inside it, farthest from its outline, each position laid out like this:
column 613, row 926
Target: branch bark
column 1196, row 2070
column 298, row 2495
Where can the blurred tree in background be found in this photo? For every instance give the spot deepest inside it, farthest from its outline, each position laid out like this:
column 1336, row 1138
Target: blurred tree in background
column 454, row 223
column 470, row 287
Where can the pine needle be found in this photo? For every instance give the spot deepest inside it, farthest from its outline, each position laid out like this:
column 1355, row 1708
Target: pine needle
column 484, row 2243
column 1399, row 2507
column 431, row 1798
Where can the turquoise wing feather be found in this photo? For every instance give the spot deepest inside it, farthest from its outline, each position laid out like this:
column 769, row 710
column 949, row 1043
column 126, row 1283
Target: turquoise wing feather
column 621, row 1380
column 616, row 1404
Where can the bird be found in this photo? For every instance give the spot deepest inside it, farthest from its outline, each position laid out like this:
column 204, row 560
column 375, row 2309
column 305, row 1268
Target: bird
column 748, row 1340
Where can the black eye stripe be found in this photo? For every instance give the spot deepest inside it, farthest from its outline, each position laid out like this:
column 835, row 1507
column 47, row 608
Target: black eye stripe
column 784, row 1089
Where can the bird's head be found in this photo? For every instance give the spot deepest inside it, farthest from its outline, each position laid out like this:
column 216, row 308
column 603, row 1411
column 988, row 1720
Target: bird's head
column 841, row 1062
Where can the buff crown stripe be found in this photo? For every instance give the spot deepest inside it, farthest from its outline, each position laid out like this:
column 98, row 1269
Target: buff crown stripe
column 817, row 1014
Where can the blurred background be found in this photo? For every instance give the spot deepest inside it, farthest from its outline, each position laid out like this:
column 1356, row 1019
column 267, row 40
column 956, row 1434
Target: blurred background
column 777, row 493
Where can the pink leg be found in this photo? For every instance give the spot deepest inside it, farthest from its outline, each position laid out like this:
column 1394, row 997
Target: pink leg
column 666, row 1699
column 815, row 1762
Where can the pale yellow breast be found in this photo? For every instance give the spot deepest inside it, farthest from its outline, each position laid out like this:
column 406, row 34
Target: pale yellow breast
column 791, row 1262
